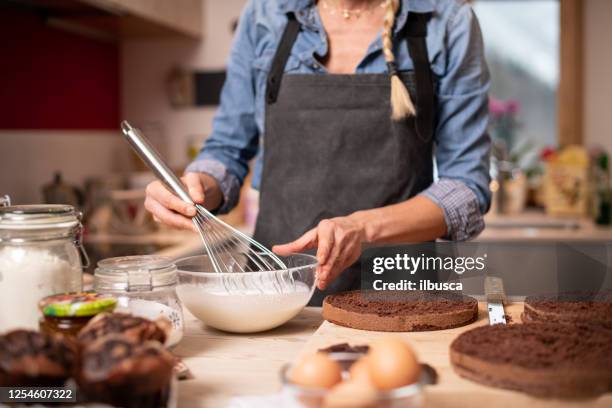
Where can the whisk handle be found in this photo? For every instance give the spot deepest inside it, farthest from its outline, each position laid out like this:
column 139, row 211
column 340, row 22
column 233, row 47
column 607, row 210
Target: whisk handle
column 152, row 159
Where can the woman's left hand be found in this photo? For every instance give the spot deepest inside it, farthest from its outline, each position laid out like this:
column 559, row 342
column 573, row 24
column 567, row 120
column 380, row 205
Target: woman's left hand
column 338, row 242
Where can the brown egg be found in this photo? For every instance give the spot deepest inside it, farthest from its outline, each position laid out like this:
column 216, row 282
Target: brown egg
column 392, row 363
column 350, row 394
column 316, row 371
column 359, row 372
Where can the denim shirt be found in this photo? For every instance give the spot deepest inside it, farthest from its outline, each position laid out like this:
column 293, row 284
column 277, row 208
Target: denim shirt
column 455, row 47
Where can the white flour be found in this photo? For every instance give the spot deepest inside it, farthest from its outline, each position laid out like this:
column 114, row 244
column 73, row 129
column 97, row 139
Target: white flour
column 244, row 312
column 27, row 275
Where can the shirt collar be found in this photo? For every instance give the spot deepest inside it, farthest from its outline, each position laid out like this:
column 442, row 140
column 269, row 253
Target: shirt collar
column 419, row 6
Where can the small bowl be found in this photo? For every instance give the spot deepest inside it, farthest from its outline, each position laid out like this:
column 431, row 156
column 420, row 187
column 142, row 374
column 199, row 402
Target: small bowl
column 246, row 302
column 409, row 396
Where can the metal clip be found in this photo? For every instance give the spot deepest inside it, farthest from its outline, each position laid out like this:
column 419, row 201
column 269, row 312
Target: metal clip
column 5, row 201
column 78, row 241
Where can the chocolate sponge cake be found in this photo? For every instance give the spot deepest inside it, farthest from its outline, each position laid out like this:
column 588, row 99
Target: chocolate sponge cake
column 570, row 308
column 546, row 360
column 395, row 311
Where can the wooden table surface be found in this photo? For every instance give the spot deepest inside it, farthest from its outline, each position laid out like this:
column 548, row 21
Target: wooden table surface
column 227, row 365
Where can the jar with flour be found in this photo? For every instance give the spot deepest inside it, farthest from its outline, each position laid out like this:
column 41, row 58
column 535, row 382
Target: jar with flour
column 144, row 285
column 39, row 256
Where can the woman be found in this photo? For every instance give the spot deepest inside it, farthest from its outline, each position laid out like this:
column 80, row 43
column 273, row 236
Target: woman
column 356, row 102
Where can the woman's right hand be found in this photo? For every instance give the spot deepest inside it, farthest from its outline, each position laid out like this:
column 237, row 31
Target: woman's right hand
column 168, row 209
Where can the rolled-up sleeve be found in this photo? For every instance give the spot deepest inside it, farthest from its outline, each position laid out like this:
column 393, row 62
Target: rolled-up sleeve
column 462, row 148
column 228, row 183
column 235, row 138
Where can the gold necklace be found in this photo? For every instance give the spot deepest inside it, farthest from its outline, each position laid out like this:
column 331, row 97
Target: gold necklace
column 348, row 13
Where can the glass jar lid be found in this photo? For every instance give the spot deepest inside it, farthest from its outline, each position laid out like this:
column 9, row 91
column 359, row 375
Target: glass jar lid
column 38, row 217
column 140, row 273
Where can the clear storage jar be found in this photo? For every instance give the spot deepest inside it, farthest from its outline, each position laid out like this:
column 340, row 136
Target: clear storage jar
column 144, row 285
column 39, row 256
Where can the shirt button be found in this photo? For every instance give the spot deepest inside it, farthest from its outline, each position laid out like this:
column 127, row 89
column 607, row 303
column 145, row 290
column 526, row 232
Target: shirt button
column 315, row 65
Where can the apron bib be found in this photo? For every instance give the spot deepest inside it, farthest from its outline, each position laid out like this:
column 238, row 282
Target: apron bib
column 331, row 148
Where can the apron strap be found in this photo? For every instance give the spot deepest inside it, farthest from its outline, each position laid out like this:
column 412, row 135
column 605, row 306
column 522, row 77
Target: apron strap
column 280, row 58
column 416, row 33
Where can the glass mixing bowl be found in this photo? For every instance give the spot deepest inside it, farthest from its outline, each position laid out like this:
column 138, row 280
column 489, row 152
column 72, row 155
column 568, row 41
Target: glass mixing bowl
column 246, row 302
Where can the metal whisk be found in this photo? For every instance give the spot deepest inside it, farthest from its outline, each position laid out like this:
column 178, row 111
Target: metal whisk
column 228, row 249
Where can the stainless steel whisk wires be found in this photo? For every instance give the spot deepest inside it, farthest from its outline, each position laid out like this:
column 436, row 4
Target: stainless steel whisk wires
column 253, row 257
column 228, row 249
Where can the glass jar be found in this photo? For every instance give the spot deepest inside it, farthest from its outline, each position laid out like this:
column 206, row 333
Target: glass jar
column 39, row 256
column 67, row 314
column 145, row 286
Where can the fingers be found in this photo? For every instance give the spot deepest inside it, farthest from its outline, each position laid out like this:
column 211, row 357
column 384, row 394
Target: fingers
column 168, row 208
column 162, row 196
column 338, row 243
column 194, row 187
column 327, row 251
column 306, row 241
column 346, row 257
column 164, row 215
column 340, row 246
column 325, row 241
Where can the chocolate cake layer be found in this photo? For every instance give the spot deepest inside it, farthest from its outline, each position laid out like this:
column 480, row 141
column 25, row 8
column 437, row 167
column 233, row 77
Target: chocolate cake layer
column 395, row 311
column 547, row 360
column 570, row 308
column 346, row 348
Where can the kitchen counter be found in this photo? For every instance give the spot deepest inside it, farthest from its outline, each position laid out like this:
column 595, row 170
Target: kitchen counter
column 172, row 243
column 534, row 225
column 530, row 226
column 227, row 365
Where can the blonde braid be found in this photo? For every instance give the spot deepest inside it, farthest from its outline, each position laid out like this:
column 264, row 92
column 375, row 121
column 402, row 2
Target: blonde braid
column 401, row 104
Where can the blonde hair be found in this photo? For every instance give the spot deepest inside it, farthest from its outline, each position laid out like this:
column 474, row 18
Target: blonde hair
column 401, row 103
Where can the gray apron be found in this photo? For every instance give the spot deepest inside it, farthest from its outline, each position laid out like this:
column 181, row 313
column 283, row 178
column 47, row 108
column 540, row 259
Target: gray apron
column 331, row 148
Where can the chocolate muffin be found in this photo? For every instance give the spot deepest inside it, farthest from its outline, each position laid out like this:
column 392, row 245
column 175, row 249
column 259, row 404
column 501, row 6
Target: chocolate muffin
column 31, row 359
column 394, row 311
column 119, row 371
column 546, row 360
column 570, row 308
column 133, row 327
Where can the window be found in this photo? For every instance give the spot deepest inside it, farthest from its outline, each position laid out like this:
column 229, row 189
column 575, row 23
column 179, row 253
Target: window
column 522, row 46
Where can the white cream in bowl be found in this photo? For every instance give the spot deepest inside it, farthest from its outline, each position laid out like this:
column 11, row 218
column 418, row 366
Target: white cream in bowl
column 246, row 302
column 244, row 312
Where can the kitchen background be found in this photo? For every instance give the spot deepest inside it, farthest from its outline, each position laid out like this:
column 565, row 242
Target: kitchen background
column 73, row 69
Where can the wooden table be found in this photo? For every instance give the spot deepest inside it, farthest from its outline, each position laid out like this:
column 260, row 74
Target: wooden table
column 226, row 365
